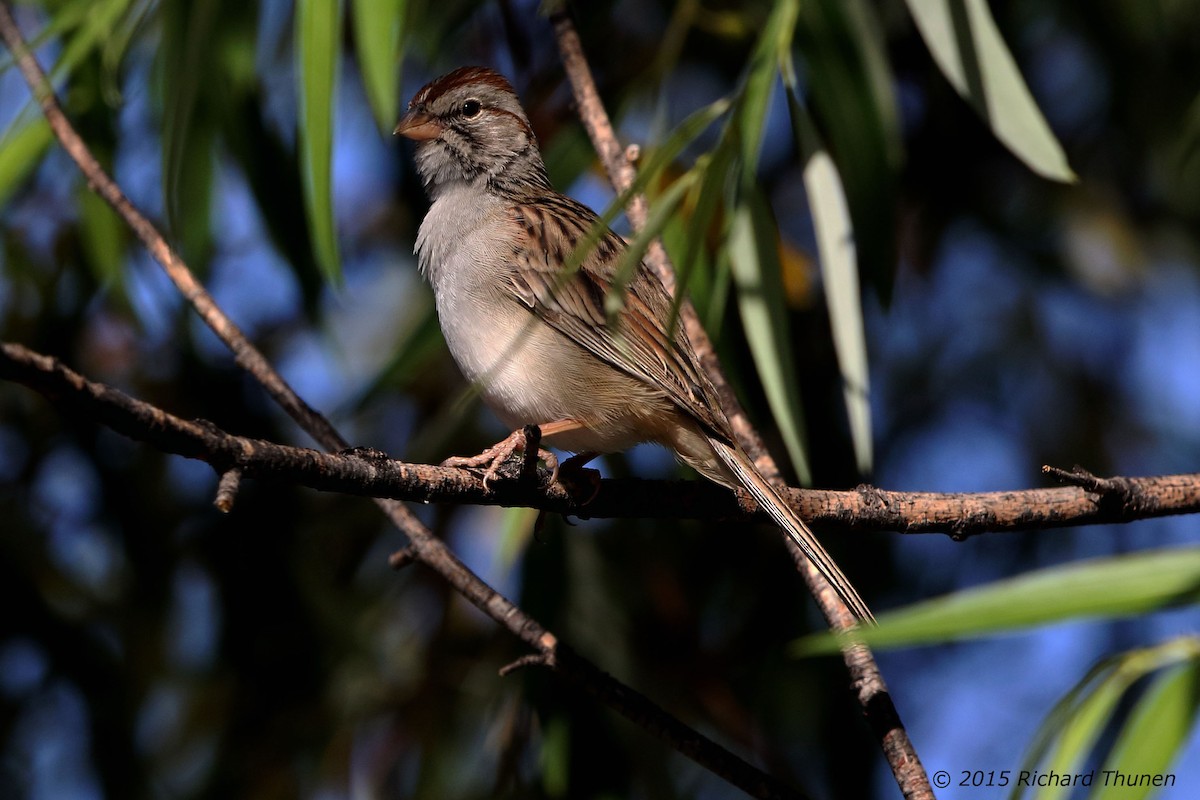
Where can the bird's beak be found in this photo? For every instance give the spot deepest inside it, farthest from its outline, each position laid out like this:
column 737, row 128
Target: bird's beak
column 418, row 125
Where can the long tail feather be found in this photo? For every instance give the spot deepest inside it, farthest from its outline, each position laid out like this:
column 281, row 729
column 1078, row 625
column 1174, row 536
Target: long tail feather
column 767, row 497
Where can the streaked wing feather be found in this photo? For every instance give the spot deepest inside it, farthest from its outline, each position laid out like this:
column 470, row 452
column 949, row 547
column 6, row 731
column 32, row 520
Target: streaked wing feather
column 641, row 343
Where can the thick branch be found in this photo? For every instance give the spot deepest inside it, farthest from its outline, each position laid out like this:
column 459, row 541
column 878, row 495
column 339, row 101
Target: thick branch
column 373, row 474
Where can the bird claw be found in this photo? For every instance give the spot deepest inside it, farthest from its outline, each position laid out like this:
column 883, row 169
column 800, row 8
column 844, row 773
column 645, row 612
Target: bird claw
column 495, row 457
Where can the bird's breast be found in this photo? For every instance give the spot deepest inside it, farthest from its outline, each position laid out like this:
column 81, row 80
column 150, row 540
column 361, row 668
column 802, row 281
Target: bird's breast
column 527, row 372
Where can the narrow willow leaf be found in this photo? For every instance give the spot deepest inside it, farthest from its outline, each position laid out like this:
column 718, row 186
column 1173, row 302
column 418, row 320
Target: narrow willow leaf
column 66, row 17
column 186, row 59
column 755, row 98
column 318, row 33
column 95, row 27
column 718, row 300
column 1080, row 731
column 708, row 194
column 1108, row 587
column 555, row 757
column 660, row 214
column 839, row 270
column 117, row 45
column 691, row 236
column 857, row 109
column 968, row 47
column 103, row 236
column 1066, row 739
column 1157, row 727
column 378, row 31
column 516, row 529
column 1054, row 723
column 878, row 81
column 754, row 257
column 669, row 150
column 21, row 151
column 684, row 134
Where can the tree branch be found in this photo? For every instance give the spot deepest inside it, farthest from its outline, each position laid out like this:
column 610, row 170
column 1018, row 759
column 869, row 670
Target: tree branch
column 424, row 546
column 370, row 473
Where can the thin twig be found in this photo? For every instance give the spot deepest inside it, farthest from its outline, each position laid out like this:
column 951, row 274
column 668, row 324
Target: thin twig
column 528, row 660
column 872, row 692
column 402, row 558
column 227, row 490
column 428, row 548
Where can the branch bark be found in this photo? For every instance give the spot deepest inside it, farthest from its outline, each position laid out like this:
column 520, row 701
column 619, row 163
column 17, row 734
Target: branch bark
column 370, row 473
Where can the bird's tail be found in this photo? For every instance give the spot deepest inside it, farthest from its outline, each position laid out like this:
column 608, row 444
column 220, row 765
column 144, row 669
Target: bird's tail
column 771, row 501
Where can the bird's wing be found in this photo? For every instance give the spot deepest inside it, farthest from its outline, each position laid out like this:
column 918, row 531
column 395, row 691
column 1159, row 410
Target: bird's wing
column 643, row 339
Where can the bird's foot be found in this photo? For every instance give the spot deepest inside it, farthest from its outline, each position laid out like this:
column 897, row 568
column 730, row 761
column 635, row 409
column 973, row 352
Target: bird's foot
column 495, row 457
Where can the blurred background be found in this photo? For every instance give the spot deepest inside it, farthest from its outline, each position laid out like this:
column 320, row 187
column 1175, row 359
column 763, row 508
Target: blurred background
column 153, row 647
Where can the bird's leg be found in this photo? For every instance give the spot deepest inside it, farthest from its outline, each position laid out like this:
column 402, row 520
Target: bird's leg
column 495, row 456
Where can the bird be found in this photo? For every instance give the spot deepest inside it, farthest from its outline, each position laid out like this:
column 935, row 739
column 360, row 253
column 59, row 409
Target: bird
column 527, row 322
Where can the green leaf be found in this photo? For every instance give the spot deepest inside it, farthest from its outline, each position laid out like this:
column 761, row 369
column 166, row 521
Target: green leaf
column 1060, row 715
column 708, row 194
column 1071, row 730
column 718, row 296
column 517, row 528
column 1081, row 728
column 660, row 214
column 103, row 235
column 755, row 98
column 318, row 33
column 878, row 85
column 839, row 270
column 1157, row 727
column 96, row 26
column 114, row 48
column 851, row 91
column 186, row 61
column 1109, row 587
column 690, row 237
column 967, row 46
column 753, row 244
column 555, row 757
column 21, row 151
column 378, row 31
column 663, row 155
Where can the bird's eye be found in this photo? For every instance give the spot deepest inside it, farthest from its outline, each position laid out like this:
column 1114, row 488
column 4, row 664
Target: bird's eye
column 471, row 108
